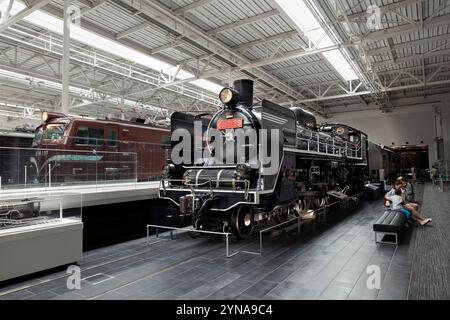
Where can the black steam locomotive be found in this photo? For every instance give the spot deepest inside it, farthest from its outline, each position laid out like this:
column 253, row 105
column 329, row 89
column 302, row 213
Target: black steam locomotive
column 231, row 185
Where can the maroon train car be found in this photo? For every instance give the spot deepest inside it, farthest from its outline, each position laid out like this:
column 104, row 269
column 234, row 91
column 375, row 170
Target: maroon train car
column 72, row 149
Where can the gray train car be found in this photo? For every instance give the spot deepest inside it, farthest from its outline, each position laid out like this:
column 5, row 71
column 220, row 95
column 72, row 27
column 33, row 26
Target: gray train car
column 384, row 163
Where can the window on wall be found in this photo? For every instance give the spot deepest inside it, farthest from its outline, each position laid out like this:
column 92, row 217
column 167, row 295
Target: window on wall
column 89, row 136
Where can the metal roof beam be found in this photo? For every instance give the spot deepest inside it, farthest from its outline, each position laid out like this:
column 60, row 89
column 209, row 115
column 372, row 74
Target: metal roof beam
column 92, row 7
column 407, row 77
column 299, row 66
column 132, row 30
column 414, row 57
column 384, row 9
column 290, row 56
column 154, row 9
column 244, row 22
column 246, row 46
column 171, row 45
column 318, row 84
column 409, row 69
column 38, row 4
column 406, row 28
column 193, row 6
column 409, row 44
column 311, row 76
column 108, row 34
column 384, row 89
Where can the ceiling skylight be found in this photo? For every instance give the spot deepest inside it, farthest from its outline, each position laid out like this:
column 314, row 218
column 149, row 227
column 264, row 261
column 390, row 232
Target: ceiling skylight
column 301, row 15
column 54, row 24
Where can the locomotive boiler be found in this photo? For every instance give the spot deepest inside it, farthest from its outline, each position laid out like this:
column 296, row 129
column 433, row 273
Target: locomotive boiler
column 249, row 166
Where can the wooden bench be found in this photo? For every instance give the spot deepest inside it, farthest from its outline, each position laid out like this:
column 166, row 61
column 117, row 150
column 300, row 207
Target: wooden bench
column 390, row 224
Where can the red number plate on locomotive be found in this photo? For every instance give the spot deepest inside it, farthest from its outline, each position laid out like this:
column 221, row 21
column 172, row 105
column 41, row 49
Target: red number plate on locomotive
column 229, row 123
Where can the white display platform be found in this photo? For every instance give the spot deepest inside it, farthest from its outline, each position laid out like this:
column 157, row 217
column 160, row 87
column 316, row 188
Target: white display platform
column 29, row 249
column 90, row 195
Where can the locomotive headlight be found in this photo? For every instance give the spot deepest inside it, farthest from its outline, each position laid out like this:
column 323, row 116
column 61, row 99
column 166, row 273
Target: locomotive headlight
column 242, row 170
column 228, row 96
column 45, row 116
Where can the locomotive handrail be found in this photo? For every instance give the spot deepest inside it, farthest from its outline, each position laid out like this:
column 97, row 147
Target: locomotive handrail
column 330, row 147
column 225, row 166
column 330, row 143
column 209, row 181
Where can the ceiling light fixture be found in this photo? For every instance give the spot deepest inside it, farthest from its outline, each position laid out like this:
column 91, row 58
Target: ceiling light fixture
column 299, row 12
column 54, row 24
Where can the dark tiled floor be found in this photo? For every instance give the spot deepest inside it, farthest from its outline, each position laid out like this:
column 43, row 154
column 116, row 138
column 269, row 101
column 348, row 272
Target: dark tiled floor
column 430, row 274
column 328, row 263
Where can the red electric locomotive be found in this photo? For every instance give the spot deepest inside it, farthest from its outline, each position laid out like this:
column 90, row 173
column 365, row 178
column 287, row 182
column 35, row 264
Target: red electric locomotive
column 73, row 149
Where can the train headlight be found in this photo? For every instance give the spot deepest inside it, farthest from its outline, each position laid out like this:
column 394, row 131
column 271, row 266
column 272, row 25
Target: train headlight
column 45, row 116
column 242, row 170
column 229, row 97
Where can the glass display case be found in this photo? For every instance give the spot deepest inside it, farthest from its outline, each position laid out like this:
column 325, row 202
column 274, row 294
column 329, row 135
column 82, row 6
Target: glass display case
column 39, row 232
column 27, row 211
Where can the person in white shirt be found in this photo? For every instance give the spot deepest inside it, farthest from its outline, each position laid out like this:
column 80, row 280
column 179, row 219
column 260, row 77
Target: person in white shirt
column 434, row 174
column 396, row 200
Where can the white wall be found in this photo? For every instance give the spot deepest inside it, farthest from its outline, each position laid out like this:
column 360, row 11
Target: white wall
column 408, row 124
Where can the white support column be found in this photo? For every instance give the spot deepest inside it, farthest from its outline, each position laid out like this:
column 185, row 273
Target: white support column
column 65, row 59
column 122, row 107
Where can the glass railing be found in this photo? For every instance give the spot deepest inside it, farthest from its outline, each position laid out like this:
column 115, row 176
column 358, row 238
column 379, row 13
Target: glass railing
column 76, row 160
column 49, row 167
column 150, row 157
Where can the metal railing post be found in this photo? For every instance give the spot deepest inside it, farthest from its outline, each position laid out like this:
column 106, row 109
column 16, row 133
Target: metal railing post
column 135, row 168
column 49, row 175
column 60, row 209
column 227, row 246
column 96, row 171
column 25, row 175
column 318, row 143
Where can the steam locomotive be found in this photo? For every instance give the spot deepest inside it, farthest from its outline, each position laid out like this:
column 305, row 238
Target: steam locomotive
column 230, row 186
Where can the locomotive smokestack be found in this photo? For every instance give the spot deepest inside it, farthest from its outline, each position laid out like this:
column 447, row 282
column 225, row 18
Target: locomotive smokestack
column 245, row 89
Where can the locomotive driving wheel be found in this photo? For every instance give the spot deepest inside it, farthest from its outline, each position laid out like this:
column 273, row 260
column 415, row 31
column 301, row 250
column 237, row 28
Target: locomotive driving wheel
column 242, row 222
